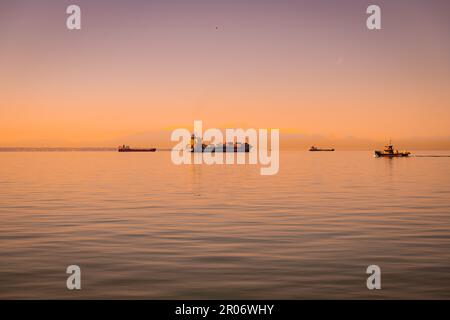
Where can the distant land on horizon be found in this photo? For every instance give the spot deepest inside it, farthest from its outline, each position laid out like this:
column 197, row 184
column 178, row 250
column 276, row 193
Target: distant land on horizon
column 288, row 141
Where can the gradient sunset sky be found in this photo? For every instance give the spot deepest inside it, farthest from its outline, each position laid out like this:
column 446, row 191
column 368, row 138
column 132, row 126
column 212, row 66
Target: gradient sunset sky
column 310, row 68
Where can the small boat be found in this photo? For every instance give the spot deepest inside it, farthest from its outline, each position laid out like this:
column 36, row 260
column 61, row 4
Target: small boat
column 125, row 148
column 391, row 153
column 314, row 148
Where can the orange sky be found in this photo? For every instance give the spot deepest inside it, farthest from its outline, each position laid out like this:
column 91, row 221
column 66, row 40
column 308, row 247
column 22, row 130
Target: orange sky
column 310, row 68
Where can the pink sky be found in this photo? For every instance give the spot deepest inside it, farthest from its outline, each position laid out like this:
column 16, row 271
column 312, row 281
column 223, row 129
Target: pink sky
column 310, row 68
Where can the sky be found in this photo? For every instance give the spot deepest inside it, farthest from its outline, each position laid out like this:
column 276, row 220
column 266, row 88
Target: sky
column 138, row 69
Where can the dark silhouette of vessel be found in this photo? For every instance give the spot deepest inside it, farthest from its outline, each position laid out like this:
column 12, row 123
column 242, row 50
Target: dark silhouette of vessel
column 314, row 148
column 125, row 148
column 197, row 145
column 391, row 153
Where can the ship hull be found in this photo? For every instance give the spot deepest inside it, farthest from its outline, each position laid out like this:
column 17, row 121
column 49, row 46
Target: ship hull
column 137, row 150
column 209, row 149
column 380, row 154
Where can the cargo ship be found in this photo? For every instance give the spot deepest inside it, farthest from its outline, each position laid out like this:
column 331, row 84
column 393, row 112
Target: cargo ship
column 391, row 153
column 197, row 145
column 125, row 148
column 314, row 148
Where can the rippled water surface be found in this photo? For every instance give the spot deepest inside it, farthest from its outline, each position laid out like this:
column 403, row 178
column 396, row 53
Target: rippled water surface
column 141, row 227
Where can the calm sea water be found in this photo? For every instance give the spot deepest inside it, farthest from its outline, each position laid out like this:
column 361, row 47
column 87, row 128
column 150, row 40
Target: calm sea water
column 141, row 227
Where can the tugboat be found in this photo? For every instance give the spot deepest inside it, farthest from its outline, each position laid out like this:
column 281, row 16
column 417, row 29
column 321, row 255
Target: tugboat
column 391, row 153
column 125, row 148
column 197, row 145
column 314, row 148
